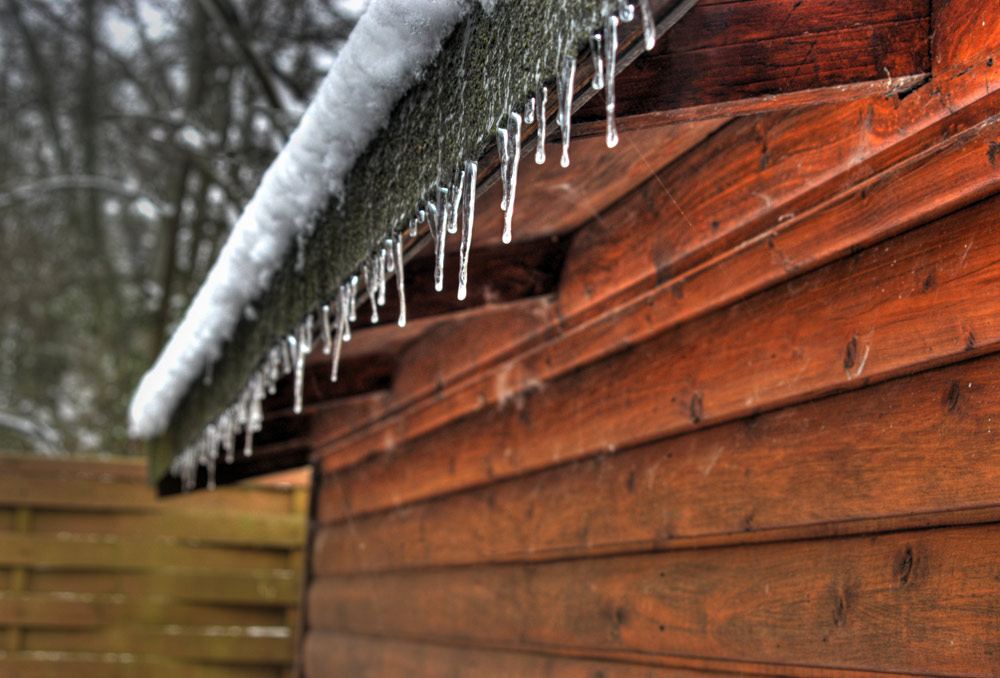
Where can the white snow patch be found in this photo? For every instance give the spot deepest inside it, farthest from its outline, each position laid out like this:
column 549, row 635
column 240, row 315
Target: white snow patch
column 391, row 44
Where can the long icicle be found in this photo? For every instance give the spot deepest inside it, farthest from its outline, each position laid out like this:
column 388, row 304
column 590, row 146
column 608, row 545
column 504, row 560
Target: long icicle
column 595, row 52
column 397, row 251
column 303, row 349
column 503, row 149
column 325, row 329
column 343, row 312
column 648, row 27
column 567, row 79
column 471, row 171
column 541, row 99
column 514, row 154
column 610, row 51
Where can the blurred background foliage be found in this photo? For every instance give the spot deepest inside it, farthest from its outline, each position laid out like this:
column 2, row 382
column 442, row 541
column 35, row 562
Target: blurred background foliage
column 132, row 133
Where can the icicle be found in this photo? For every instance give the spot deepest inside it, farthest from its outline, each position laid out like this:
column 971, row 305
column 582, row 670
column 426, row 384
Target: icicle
column 390, row 261
column 514, row 138
column 541, row 99
column 327, row 339
column 210, row 467
column 353, row 315
column 304, row 349
column 529, row 111
column 413, row 227
column 368, row 272
column 287, row 354
column 503, row 148
column 397, row 252
column 343, row 327
column 380, row 271
column 456, row 201
column 567, row 78
column 610, row 50
column 626, row 10
column 439, row 234
column 229, row 435
column 471, row 171
column 648, row 27
column 595, row 52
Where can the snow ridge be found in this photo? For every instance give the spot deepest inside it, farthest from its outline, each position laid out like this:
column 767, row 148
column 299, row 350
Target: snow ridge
column 385, row 54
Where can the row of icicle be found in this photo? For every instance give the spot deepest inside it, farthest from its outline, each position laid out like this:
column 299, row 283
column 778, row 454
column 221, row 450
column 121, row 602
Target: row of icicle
column 450, row 205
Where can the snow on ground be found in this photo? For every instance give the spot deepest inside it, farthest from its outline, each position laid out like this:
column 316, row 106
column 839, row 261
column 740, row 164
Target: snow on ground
column 393, row 41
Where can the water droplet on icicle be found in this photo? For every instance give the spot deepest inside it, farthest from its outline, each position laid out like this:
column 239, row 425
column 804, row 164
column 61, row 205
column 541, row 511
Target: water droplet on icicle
column 626, row 10
column 471, row 173
column 514, row 159
column 567, row 77
column 610, row 52
column 595, row 51
column 397, row 255
column 541, row 100
column 648, row 27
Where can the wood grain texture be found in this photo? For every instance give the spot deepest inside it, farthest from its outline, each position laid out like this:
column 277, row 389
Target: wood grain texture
column 909, row 602
column 368, row 657
column 795, row 472
column 919, row 300
column 735, row 58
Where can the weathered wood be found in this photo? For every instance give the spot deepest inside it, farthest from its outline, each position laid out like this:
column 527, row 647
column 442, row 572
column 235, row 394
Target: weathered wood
column 86, row 611
column 96, row 495
column 233, row 529
column 329, row 654
column 87, row 665
column 222, row 648
column 737, row 58
column 232, row 587
column 913, row 602
column 793, row 472
column 126, row 554
column 965, row 32
column 921, row 299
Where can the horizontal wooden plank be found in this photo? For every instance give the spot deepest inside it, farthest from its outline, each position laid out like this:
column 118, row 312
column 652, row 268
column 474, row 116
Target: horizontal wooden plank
column 42, row 551
column 921, row 299
column 89, row 665
column 235, row 587
column 131, row 469
column 804, row 467
column 218, row 645
column 338, row 654
column 97, row 495
column 553, row 200
column 856, row 50
column 285, row 531
column 913, row 602
column 90, row 611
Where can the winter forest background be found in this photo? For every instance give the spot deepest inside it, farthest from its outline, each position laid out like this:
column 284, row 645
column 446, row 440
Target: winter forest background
column 132, row 133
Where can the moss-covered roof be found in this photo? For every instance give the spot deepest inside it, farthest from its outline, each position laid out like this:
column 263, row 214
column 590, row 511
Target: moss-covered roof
column 489, row 66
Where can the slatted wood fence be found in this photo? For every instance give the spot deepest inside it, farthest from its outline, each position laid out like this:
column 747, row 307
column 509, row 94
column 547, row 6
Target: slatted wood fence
column 100, row 578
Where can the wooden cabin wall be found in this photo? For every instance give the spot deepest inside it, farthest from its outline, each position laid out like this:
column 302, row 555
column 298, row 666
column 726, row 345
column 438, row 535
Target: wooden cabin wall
column 755, row 430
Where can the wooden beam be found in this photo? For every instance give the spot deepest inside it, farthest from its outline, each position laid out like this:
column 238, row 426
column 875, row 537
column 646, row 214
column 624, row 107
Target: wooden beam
column 736, row 58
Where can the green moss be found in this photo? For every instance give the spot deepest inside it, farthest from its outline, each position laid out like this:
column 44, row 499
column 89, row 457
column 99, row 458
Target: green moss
column 489, row 66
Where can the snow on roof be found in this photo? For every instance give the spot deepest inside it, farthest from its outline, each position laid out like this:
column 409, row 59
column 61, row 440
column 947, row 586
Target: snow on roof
column 393, row 41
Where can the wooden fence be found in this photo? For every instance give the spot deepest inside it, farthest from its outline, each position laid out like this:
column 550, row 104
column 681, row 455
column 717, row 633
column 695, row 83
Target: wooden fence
column 100, row 578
